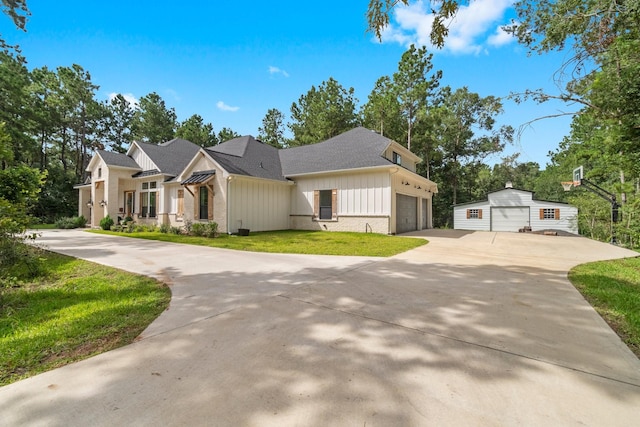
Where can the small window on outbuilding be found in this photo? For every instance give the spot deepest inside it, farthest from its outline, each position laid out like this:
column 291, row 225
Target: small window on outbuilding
column 550, row 213
column 397, row 159
column 474, row 213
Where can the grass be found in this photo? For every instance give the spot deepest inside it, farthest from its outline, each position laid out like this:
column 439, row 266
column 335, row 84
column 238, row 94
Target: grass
column 42, row 226
column 613, row 289
column 295, row 242
column 74, row 310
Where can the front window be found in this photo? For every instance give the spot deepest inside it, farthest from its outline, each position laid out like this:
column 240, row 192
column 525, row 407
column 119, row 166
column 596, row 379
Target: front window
column 474, row 213
column 204, row 203
column 549, row 213
column 325, row 204
column 397, row 159
column 180, row 210
column 148, row 200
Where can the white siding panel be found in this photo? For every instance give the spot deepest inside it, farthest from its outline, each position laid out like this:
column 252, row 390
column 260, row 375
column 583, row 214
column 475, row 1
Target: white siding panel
column 460, row 221
column 358, row 194
column 142, row 159
column 258, row 205
column 568, row 217
column 510, row 197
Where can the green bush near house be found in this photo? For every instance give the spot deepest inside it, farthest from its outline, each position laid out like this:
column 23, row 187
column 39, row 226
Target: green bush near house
column 106, row 223
column 71, row 222
column 198, row 229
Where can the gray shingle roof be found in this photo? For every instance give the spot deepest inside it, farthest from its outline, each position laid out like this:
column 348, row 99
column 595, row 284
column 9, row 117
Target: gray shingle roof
column 198, row 177
column 172, row 156
column 117, row 159
column 142, row 174
column 247, row 156
column 357, row 148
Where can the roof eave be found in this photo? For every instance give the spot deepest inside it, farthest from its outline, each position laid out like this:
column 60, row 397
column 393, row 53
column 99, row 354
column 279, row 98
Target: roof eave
column 334, row 171
column 231, row 176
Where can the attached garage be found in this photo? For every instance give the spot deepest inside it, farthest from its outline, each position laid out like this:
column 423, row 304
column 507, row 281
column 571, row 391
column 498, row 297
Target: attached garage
column 513, row 210
column 406, row 213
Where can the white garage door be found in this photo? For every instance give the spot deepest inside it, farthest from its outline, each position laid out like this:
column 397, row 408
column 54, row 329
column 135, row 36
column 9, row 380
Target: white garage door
column 406, row 213
column 509, row 219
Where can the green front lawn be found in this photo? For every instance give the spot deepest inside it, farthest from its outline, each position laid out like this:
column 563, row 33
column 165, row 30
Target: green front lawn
column 74, row 310
column 613, row 289
column 294, row 242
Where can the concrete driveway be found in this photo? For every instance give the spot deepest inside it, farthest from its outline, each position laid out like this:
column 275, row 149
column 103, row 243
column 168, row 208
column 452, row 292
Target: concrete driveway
column 477, row 329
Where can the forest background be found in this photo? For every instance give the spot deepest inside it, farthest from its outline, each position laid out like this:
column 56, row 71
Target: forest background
column 51, row 120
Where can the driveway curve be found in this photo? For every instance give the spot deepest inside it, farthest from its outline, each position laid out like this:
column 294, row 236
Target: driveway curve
column 477, row 329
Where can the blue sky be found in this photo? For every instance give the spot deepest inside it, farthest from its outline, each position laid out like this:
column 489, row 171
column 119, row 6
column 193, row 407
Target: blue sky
column 232, row 61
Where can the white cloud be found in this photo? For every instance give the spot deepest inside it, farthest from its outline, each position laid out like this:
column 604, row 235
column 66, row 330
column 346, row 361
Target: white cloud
column 500, row 38
column 275, row 70
column 132, row 100
column 468, row 30
column 224, row 107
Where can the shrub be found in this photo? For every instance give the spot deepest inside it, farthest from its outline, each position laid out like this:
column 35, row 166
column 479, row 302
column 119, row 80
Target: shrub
column 198, row 229
column 164, row 228
column 106, row 223
column 211, row 229
column 80, row 221
column 71, row 222
column 187, row 227
column 175, row 230
column 127, row 220
column 65, row 223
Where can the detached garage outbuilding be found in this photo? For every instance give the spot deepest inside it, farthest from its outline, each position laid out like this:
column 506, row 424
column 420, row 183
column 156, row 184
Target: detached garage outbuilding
column 514, row 210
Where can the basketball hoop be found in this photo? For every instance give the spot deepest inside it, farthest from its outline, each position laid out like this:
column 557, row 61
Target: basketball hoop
column 567, row 185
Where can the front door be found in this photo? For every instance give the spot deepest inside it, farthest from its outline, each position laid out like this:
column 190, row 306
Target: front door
column 129, row 203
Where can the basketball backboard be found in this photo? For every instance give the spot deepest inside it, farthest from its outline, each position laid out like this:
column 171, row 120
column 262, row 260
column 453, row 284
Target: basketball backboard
column 578, row 174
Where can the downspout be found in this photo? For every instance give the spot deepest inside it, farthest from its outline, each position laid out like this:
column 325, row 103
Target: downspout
column 229, row 178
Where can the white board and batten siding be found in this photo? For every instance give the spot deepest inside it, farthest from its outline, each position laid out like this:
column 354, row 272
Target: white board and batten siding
column 141, row 158
column 258, row 205
column 359, row 194
column 512, row 210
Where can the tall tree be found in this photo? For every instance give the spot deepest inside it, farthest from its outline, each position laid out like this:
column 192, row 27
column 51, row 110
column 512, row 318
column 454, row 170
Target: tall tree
column 227, row 134
column 382, row 111
column 323, row 113
column 195, row 130
column 153, row 122
column 45, row 84
column 15, row 105
column 413, row 86
column 119, row 121
column 272, row 130
column 466, row 132
column 83, row 114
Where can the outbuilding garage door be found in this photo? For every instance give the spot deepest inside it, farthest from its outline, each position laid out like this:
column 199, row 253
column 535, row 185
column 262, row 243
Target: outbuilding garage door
column 406, row 213
column 509, row 219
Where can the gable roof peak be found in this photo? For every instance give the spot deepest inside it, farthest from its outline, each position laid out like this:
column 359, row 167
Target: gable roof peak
column 237, row 146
